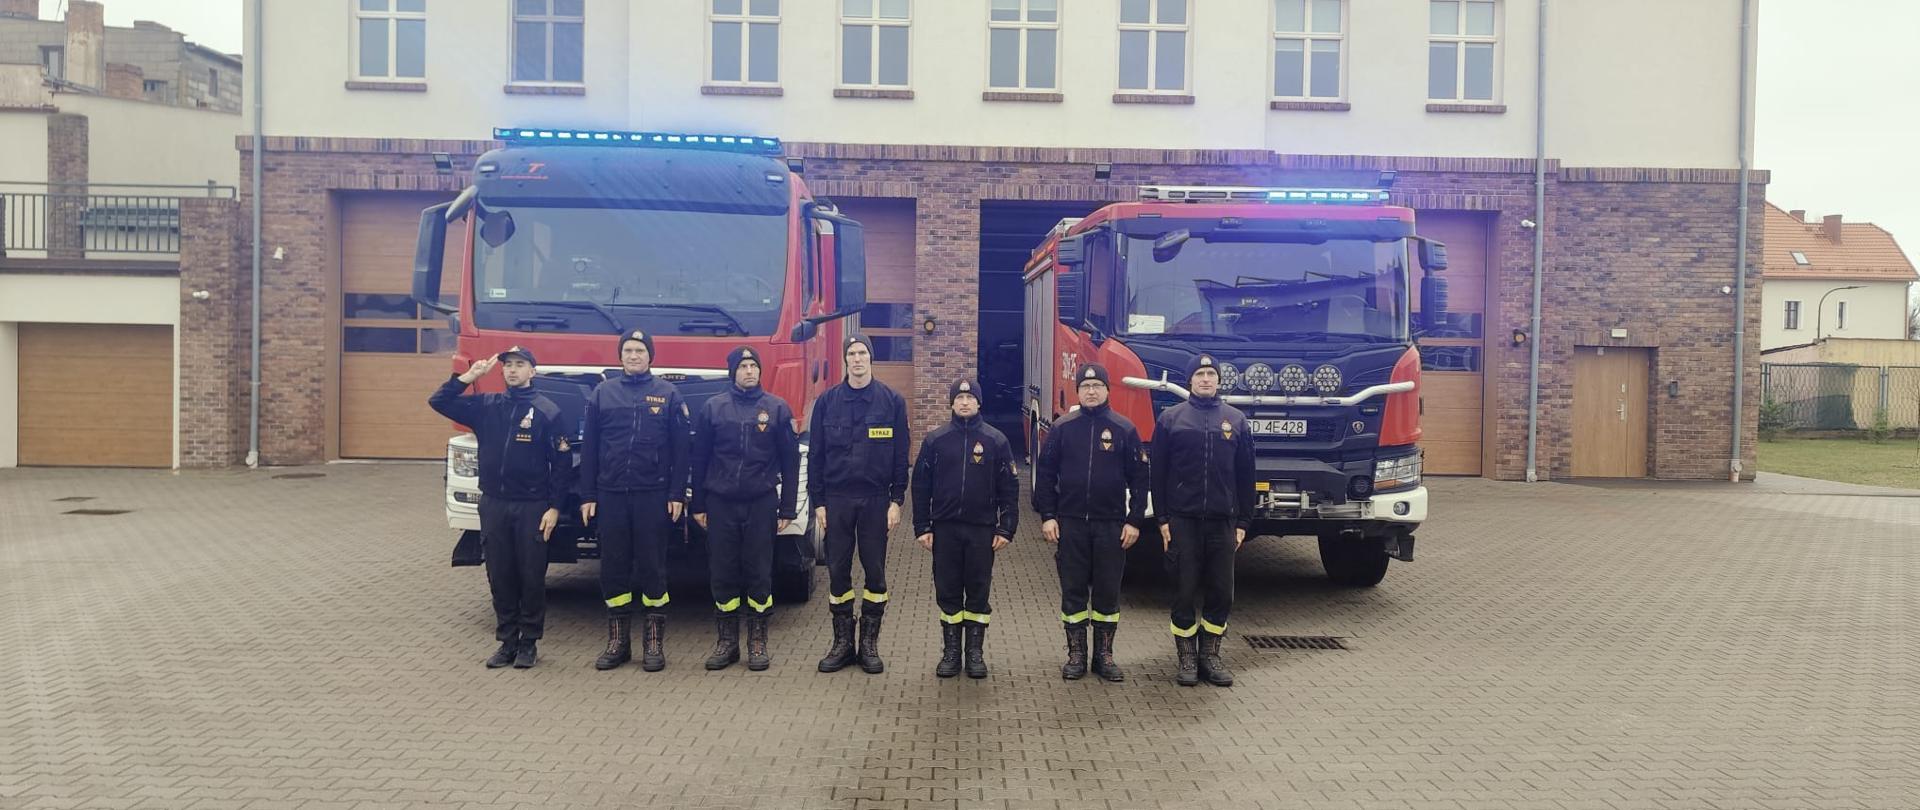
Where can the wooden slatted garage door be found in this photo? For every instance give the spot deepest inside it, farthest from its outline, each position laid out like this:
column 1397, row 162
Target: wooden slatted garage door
column 888, row 318
column 96, row 395
column 1452, row 416
column 393, row 352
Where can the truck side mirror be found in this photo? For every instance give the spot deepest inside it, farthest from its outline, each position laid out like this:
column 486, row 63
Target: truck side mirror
column 804, row 331
column 1433, row 255
column 428, row 254
column 850, row 266
column 1070, row 295
column 1433, row 302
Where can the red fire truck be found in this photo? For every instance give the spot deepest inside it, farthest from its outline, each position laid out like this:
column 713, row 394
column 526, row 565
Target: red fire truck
column 1304, row 294
column 570, row 237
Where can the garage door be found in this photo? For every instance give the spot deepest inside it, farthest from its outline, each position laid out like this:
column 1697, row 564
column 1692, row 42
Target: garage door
column 1451, row 359
column 888, row 318
column 96, row 395
column 393, row 352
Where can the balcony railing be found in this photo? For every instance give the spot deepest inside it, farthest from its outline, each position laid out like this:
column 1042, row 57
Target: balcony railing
column 77, row 221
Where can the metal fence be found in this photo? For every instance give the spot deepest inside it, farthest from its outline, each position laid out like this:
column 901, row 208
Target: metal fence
column 1820, row 396
column 74, row 221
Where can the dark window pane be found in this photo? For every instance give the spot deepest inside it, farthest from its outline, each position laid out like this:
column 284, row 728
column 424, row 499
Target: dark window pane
column 529, row 7
column 379, row 339
column 1170, row 58
column 726, row 51
column 893, row 9
column 1041, row 49
column 887, row 316
column 767, row 8
column 365, row 305
column 1134, row 11
column 1289, row 16
column 1480, row 72
column 1449, row 358
column 726, row 6
column 414, row 6
column 763, row 52
column 530, row 52
column 568, row 51
column 410, row 49
column 1133, row 60
column 856, row 8
column 375, row 5
column 1004, row 10
column 856, row 54
column 569, row 8
column 1440, row 68
column 373, row 47
column 893, row 349
column 1173, row 12
column 1326, row 69
column 1288, row 79
column 893, row 55
column 1004, row 58
column 436, row 341
column 1043, row 11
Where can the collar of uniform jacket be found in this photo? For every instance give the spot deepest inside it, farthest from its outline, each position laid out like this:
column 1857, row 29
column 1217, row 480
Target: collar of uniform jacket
column 636, row 379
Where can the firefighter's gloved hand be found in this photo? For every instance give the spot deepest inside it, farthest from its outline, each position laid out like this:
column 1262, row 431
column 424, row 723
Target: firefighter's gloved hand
column 1050, row 530
column 548, row 520
column 1129, row 534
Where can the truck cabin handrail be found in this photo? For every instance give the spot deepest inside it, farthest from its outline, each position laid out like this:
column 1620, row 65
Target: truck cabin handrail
column 1364, row 394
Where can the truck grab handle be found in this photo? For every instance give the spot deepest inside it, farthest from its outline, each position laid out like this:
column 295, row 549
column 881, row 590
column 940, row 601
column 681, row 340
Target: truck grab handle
column 1364, row 394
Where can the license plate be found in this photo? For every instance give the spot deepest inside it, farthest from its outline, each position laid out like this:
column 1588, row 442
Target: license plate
column 1277, row 427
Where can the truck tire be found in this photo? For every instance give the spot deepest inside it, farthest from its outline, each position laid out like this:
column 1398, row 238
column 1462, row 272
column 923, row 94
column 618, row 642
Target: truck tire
column 1353, row 563
column 792, row 568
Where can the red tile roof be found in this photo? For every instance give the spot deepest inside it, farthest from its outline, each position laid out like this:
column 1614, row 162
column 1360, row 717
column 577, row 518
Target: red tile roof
column 1864, row 251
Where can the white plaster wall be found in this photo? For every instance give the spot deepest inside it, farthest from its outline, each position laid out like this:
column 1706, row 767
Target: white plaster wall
column 1877, row 311
column 140, row 142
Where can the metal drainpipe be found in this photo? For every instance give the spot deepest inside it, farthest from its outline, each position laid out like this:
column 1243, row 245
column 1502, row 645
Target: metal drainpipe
column 253, row 380
column 1740, row 260
column 1539, row 244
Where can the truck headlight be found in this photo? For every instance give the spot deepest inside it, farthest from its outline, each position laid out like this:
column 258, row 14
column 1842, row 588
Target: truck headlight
column 1396, row 473
column 463, row 461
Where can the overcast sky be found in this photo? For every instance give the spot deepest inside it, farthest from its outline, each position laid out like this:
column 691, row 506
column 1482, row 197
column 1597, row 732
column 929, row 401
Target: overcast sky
column 1836, row 108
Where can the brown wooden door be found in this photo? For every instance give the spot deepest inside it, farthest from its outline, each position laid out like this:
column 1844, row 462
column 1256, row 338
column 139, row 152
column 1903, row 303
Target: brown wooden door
column 1452, row 375
column 1610, row 412
column 96, row 395
column 888, row 318
column 393, row 352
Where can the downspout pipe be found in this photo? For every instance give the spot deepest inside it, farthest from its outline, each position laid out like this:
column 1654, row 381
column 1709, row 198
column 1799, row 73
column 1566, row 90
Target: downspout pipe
column 253, row 378
column 1740, row 241
column 1539, row 244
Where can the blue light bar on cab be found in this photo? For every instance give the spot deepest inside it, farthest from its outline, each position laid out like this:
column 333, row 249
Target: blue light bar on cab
column 1345, row 196
column 662, row 140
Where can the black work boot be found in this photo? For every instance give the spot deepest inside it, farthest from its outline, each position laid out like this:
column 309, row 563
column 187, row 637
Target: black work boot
column 1076, row 666
column 527, row 656
column 619, row 643
column 757, row 658
column 870, row 661
column 1188, row 650
column 840, row 652
column 726, row 644
column 1212, row 666
column 503, row 656
column 653, row 653
column 1103, row 664
column 949, row 651
column 976, row 650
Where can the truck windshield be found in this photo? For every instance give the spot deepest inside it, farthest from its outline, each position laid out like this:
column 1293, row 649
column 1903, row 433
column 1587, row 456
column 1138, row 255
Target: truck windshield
column 1350, row 289
column 602, row 269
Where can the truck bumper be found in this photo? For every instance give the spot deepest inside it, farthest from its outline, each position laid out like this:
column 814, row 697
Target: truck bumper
column 462, row 497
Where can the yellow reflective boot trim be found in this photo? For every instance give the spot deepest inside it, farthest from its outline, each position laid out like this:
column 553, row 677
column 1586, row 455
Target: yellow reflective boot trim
column 728, row 606
column 1216, row 629
column 1105, row 617
column 621, row 600
column 652, row 602
column 760, row 607
column 875, row 598
column 953, row 618
column 841, row 599
column 980, row 618
column 1187, row 633
column 1074, row 618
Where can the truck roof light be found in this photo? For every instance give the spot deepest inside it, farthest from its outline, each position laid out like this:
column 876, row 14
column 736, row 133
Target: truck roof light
column 1262, row 194
column 750, row 144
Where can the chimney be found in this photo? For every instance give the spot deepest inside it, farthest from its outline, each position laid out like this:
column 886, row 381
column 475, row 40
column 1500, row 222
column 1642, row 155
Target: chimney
column 1798, row 214
column 86, row 43
column 1830, row 226
column 23, row 9
column 126, row 81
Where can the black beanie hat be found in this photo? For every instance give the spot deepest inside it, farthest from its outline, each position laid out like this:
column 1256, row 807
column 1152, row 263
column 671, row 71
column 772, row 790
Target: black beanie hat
column 1091, row 371
column 741, row 353
column 1200, row 361
column 962, row 386
column 852, row 339
column 636, row 334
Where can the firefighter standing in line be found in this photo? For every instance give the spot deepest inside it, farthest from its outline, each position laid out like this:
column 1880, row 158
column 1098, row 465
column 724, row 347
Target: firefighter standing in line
column 966, row 505
column 526, row 471
column 857, row 479
column 746, row 471
column 635, row 459
column 1090, row 490
column 1202, row 471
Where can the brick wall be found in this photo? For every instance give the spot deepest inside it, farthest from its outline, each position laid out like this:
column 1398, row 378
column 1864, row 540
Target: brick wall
column 214, row 356
column 67, row 185
column 125, row 81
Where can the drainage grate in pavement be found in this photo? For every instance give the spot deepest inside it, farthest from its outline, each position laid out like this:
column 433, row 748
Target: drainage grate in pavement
column 297, row 476
column 96, row 511
column 73, row 499
column 1295, row 642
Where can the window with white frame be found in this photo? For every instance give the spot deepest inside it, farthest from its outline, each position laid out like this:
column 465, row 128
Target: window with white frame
column 390, row 39
column 1462, row 50
column 1153, row 45
column 1793, row 314
column 744, row 43
column 1023, row 45
column 873, row 42
column 1309, row 48
column 548, row 41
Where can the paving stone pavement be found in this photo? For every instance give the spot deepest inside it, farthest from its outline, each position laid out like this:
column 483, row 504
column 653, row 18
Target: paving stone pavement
column 244, row 640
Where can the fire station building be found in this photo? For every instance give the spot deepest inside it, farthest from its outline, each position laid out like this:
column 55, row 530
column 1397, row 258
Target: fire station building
column 960, row 131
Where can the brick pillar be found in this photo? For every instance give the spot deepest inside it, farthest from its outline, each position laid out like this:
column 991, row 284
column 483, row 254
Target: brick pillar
column 66, row 185
column 212, row 334
column 946, row 288
column 126, row 81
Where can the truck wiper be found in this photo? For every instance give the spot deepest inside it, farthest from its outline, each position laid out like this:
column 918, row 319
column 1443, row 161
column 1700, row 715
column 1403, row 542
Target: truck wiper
column 726, row 319
column 1321, row 337
column 1186, row 336
column 596, row 306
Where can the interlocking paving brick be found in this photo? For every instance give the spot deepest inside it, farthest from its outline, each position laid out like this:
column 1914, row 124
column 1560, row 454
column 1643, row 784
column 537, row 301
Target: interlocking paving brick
column 244, row 641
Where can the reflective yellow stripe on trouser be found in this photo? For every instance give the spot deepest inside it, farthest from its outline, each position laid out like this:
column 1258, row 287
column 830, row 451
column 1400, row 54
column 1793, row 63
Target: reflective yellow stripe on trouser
column 760, row 607
column 876, row 598
column 1186, row 633
column 953, row 618
column 652, row 602
column 840, row 599
column 620, row 601
column 1074, row 618
column 1216, row 629
column 1105, row 617
column 728, row 606
column 978, row 618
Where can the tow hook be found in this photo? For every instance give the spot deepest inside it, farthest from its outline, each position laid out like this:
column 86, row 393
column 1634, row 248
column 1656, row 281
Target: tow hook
column 1400, row 548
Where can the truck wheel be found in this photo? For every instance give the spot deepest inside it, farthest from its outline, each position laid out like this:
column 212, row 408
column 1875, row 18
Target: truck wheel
column 1353, row 563
column 792, row 568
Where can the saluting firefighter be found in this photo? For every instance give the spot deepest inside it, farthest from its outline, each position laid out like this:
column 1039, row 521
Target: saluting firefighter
column 966, row 505
column 857, row 479
column 1090, row 490
column 526, row 471
column 1202, row 470
column 634, row 479
column 746, row 471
